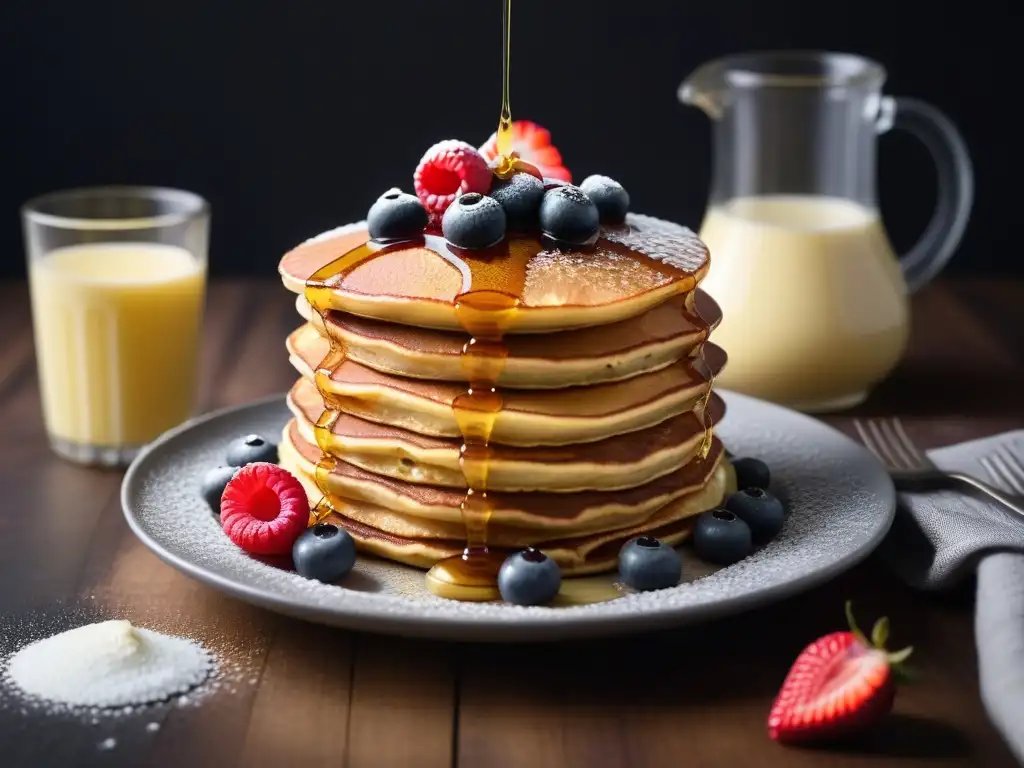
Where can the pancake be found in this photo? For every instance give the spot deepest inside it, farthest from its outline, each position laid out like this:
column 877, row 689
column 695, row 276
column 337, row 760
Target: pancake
column 623, row 461
column 630, row 270
column 576, row 556
column 586, row 356
column 416, row 510
column 527, row 417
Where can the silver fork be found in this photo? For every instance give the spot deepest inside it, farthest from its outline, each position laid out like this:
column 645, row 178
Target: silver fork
column 1005, row 469
column 910, row 467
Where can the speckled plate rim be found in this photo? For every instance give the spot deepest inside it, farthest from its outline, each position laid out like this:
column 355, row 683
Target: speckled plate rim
column 874, row 505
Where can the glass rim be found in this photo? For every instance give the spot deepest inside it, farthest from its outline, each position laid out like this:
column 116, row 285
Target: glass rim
column 840, row 69
column 192, row 206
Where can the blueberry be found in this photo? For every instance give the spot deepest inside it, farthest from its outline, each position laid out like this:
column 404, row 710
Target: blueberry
column 762, row 512
column 474, row 221
column 324, row 552
column 550, row 183
column 249, row 449
column 529, row 578
column 569, row 216
column 751, row 473
column 213, row 484
column 646, row 563
column 610, row 197
column 396, row 215
column 720, row 537
column 520, row 196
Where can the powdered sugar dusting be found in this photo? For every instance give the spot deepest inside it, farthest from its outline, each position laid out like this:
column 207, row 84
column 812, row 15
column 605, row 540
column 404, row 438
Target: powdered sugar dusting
column 587, row 278
column 664, row 241
column 573, row 195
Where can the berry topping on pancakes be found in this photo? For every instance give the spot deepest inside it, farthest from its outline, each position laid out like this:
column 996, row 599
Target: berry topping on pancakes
column 568, row 216
column 609, row 196
column 396, row 215
column 525, row 192
column 448, row 169
column 474, row 221
column 520, row 196
column 532, row 144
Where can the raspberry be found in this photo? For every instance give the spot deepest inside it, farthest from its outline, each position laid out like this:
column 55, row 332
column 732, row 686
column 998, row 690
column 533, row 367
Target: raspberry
column 264, row 509
column 448, row 169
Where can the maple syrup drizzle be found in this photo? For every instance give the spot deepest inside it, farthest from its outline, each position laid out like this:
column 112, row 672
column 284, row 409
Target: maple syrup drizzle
column 485, row 312
column 319, row 287
column 702, row 369
column 504, row 137
column 507, row 161
column 485, row 309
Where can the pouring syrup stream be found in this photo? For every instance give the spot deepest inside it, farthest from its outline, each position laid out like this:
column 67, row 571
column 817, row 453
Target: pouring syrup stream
column 505, row 117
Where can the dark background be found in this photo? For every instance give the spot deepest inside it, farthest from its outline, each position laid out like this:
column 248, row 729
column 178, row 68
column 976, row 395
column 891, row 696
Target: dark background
column 291, row 117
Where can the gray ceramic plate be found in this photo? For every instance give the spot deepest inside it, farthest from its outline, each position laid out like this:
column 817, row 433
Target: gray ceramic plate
column 841, row 503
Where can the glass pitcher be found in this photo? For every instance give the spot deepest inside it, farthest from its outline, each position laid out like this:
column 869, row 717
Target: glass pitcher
column 813, row 295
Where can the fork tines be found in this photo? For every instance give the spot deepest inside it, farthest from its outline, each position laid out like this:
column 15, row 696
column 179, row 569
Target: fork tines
column 888, row 440
column 1005, row 469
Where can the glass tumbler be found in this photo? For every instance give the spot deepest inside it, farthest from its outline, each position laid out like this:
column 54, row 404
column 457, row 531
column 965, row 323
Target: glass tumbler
column 117, row 277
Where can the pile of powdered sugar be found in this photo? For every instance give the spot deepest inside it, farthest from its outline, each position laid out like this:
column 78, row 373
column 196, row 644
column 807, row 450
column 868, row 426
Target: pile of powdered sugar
column 106, row 665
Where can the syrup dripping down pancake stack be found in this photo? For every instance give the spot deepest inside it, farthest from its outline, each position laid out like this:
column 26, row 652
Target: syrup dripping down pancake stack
column 605, row 388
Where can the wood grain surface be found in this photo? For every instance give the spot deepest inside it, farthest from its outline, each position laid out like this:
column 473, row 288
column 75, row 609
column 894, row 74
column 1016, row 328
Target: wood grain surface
column 303, row 695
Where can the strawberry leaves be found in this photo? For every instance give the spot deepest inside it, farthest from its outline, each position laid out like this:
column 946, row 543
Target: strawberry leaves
column 880, row 632
column 879, row 637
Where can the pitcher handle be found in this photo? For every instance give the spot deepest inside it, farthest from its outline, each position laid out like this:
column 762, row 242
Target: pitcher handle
column 955, row 185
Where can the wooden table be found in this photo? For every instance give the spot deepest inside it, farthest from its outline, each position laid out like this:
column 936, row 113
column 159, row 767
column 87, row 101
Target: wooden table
column 298, row 694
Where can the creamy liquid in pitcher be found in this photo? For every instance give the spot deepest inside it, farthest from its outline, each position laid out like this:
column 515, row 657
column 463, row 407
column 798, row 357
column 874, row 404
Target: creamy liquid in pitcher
column 813, row 298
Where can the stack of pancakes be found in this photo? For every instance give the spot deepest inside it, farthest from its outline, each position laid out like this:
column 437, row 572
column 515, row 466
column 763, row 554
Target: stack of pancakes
column 607, row 404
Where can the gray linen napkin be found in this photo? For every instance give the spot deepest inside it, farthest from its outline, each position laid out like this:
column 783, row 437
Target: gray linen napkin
column 938, row 538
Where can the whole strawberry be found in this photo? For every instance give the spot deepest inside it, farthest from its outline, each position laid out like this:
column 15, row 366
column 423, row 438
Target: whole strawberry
column 839, row 685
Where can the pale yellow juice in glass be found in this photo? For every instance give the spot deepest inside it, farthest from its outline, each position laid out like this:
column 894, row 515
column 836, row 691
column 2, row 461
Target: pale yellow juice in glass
column 117, row 339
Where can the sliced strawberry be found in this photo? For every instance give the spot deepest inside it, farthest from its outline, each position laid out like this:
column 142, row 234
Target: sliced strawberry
column 840, row 684
column 533, row 145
